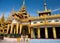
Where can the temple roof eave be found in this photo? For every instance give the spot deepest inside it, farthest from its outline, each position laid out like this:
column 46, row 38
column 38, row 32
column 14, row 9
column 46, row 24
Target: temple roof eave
column 47, row 17
column 48, row 11
column 45, row 24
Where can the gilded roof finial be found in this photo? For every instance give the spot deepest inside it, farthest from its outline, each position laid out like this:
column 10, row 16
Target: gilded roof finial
column 13, row 11
column 23, row 8
column 45, row 8
column 24, row 2
column 3, row 15
column 2, row 18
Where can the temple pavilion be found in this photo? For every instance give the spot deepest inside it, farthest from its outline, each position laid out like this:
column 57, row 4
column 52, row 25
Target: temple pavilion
column 46, row 25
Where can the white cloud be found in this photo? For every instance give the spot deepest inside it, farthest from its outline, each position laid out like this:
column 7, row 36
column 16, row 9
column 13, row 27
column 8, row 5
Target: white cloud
column 56, row 10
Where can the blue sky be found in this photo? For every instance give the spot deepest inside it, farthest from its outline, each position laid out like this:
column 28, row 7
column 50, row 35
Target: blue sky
column 32, row 6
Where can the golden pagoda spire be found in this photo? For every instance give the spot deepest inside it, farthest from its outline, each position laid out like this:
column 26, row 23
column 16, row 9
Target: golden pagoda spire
column 2, row 18
column 24, row 2
column 22, row 12
column 23, row 8
column 13, row 11
column 45, row 8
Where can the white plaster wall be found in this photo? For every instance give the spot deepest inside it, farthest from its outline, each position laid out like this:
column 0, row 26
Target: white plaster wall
column 37, row 22
column 14, row 21
column 53, row 20
column 32, row 22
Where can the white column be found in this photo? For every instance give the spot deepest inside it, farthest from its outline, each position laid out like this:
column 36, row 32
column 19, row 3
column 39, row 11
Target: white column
column 8, row 28
column 14, row 31
column 29, row 29
column 17, row 28
column 39, row 32
column 54, row 32
column 20, row 28
column 46, row 32
column 32, row 33
column 11, row 28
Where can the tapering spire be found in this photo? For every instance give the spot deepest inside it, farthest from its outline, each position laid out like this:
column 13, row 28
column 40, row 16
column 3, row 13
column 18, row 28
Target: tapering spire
column 23, row 8
column 13, row 11
column 2, row 18
column 45, row 8
column 23, row 2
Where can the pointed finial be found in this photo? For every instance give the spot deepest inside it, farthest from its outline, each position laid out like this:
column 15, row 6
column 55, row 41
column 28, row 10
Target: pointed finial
column 23, row 2
column 3, row 15
column 45, row 8
column 13, row 11
column 2, row 18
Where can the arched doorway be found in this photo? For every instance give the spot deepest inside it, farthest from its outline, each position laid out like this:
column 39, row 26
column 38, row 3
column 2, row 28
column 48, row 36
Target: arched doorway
column 24, row 30
column 35, row 32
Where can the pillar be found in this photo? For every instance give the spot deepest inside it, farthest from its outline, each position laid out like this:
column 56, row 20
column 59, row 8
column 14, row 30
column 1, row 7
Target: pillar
column 32, row 33
column 38, row 32
column 29, row 29
column 46, row 32
column 17, row 26
column 8, row 28
column 2, row 31
column 20, row 28
column 11, row 28
column 14, row 31
column 54, row 32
